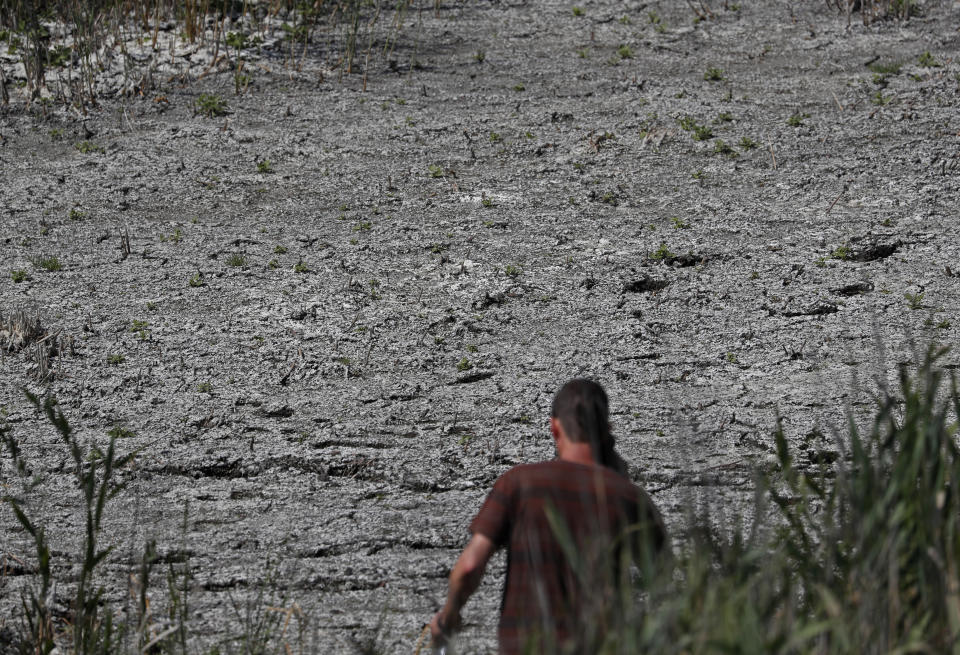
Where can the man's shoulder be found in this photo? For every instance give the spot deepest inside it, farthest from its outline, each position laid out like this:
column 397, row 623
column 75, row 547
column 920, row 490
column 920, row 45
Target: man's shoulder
column 564, row 473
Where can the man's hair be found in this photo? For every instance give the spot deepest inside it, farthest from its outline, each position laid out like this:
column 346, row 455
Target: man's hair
column 582, row 408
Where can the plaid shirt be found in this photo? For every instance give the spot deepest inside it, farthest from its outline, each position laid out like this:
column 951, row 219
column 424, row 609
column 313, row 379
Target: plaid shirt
column 564, row 527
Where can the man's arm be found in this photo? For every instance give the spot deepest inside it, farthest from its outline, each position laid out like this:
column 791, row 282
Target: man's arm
column 464, row 580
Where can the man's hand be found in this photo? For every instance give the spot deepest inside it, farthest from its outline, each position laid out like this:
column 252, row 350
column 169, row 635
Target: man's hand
column 442, row 627
column 464, row 579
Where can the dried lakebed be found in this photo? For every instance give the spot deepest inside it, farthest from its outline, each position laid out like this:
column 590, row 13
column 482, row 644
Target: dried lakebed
column 325, row 361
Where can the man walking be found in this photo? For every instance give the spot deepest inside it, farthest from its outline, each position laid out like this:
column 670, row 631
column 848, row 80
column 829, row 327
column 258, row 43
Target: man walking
column 571, row 527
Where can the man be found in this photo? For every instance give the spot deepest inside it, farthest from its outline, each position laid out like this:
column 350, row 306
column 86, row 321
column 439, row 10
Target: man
column 571, row 527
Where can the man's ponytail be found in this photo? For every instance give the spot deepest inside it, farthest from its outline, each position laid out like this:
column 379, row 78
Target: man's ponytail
column 582, row 408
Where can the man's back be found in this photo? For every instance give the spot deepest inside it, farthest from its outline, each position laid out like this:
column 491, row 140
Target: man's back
column 566, row 526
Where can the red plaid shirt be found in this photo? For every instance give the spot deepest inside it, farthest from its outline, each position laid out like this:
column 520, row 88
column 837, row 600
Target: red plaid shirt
column 564, row 527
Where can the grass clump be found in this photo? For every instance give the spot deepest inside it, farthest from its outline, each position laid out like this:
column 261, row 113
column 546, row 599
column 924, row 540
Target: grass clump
column 713, row 74
column 51, row 263
column 886, row 68
column 796, row 120
column 926, row 60
column 720, row 147
column 842, row 253
column 854, row 546
column 624, row 51
column 88, row 147
column 748, row 144
column 236, row 260
column 698, row 132
column 19, row 275
column 210, row 105
column 661, row 253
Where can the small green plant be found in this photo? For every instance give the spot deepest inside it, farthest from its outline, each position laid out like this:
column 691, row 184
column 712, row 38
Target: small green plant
column 211, row 105
column 51, row 263
column 914, row 300
column 577, row 11
column 205, row 387
column 273, row 264
column 470, row 348
column 76, row 214
column 699, row 132
column 301, row 267
column 722, row 148
column 583, row 52
column 196, row 280
column 512, row 271
column 279, row 250
column 236, row 260
column 879, row 99
column 363, row 226
column 495, row 137
column 679, row 223
column 723, row 117
column 264, row 166
column 713, row 74
column 115, row 359
column 519, row 87
column 88, row 147
column 841, row 252
column 661, row 253
column 236, row 40
column 464, row 365
column 435, row 171
column 944, row 324
column 479, row 56
column 926, row 60
column 886, row 68
column 796, row 120
column 754, row 275
column 19, row 275
column 748, row 144
column 731, row 357
column 698, row 174
column 486, row 202
column 119, row 432
column 624, row 51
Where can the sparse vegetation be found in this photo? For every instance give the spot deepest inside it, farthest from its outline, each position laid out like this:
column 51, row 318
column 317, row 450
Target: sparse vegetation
column 51, row 263
column 713, row 74
column 211, row 105
column 796, row 120
column 841, row 253
column 722, row 148
column 926, row 60
column 236, row 260
column 661, row 253
column 88, row 147
column 19, row 275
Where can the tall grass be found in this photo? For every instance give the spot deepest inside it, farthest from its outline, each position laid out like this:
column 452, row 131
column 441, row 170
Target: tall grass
column 860, row 555
column 80, row 39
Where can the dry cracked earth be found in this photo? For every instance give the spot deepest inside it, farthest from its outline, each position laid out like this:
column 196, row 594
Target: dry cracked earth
column 328, row 319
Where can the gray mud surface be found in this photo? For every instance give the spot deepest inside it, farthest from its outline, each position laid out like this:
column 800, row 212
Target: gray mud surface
column 470, row 235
